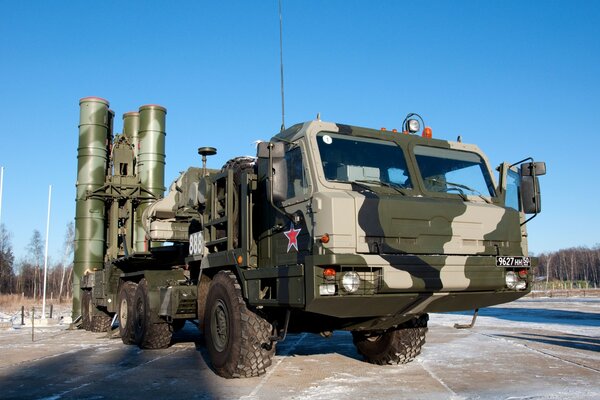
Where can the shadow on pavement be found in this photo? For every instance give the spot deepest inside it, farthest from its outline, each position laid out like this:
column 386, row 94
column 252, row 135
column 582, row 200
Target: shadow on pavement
column 102, row 369
column 569, row 341
column 307, row 344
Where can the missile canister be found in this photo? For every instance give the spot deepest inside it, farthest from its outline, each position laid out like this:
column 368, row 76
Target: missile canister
column 92, row 164
column 150, row 167
column 131, row 126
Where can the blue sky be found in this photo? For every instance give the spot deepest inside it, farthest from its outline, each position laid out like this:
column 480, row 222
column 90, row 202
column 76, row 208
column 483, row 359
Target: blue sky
column 517, row 78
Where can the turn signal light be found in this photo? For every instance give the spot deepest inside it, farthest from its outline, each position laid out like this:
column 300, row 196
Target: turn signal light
column 329, row 273
column 325, row 238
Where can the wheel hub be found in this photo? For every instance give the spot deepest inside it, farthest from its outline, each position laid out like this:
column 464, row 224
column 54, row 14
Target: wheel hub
column 220, row 326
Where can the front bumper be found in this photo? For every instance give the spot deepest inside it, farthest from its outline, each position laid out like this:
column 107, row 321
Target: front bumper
column 408, row 284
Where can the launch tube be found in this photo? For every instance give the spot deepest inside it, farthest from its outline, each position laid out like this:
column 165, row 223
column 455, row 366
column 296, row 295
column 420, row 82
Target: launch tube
column 150, row 167
column 131, row 126
column 92, row 164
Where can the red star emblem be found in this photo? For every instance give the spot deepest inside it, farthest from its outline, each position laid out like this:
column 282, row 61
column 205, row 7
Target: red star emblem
column 292, row 236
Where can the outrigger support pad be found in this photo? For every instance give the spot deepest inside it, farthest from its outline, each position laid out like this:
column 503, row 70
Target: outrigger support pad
column 468, row 326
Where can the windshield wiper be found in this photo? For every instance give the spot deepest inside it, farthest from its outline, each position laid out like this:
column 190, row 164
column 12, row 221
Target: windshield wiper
column 396, row 187
column 366, row 187
column 461, row 186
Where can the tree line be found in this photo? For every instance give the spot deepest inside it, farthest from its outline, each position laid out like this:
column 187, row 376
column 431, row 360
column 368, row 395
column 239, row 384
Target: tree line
column 576, row 267
column 26, row 276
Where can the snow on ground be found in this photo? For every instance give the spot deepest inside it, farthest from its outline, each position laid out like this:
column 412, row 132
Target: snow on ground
column 576, row 316
column 528, row 349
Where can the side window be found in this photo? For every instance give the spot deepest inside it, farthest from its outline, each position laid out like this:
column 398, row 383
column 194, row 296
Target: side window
column 297, row 182
column 399, row 177
column 512, row 190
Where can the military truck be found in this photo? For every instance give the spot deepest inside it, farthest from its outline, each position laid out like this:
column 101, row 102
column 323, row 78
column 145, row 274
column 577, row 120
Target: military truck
column 330, row 227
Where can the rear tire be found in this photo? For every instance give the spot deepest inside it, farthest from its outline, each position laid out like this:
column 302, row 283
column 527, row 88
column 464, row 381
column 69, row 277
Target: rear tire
column 86, row 304
column 234, row 334
column 126, row 312
column 100, row 322
column 92, row 319
column 148, row 334
column 399, row 345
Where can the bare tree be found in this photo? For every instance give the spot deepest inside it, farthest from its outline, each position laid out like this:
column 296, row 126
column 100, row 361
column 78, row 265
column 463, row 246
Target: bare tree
column 577, row 266
column 7, row 274
column 67, row 255
column 36, row 254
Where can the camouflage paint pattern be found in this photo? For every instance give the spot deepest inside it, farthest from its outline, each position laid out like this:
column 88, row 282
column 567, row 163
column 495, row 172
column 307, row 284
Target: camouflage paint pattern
column 92, row 158
column 430, row 251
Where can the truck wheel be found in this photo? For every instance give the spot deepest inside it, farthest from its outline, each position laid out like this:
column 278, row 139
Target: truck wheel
column 86, row 312
column 148, row 334
column 100, row 323
column 399, row 345
column 90, row 319
column 126, row 320
column 234, row 334
column 238, row 165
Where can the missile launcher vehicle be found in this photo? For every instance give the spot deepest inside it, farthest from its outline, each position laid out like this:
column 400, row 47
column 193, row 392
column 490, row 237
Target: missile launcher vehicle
column 330, row 227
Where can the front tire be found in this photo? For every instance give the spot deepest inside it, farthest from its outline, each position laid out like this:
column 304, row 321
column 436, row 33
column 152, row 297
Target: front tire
column 147, row 333
column 399, row 345
column 234, row 334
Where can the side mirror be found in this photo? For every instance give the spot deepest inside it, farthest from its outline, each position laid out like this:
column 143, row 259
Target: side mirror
column 530, row 194
column 279, row 183
column 273, row 149
column 537, row 168
column 273, row 168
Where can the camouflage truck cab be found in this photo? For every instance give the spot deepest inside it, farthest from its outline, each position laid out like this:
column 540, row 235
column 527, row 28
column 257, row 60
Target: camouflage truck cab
column 388, row 226
column 330, row 227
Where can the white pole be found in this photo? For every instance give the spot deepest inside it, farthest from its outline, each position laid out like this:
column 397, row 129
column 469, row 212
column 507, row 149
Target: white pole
column 46, row 253
column 1, row 183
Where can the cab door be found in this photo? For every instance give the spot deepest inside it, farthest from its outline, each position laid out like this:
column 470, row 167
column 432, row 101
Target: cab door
column 286, row 225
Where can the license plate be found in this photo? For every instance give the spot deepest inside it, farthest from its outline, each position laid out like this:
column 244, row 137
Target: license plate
column 507, row 261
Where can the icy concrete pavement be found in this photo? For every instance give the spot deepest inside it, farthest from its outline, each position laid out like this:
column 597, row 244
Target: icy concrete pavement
column 545, row 349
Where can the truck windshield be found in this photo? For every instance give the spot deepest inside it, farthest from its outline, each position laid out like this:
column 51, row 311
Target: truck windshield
column 356, row 159
column 453, row 171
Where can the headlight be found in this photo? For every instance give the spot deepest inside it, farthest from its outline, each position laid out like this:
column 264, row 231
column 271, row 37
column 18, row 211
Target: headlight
column 350, row 281
column 511, row 280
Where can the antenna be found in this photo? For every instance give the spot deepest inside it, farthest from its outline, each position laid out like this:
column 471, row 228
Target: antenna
column 281, row 67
